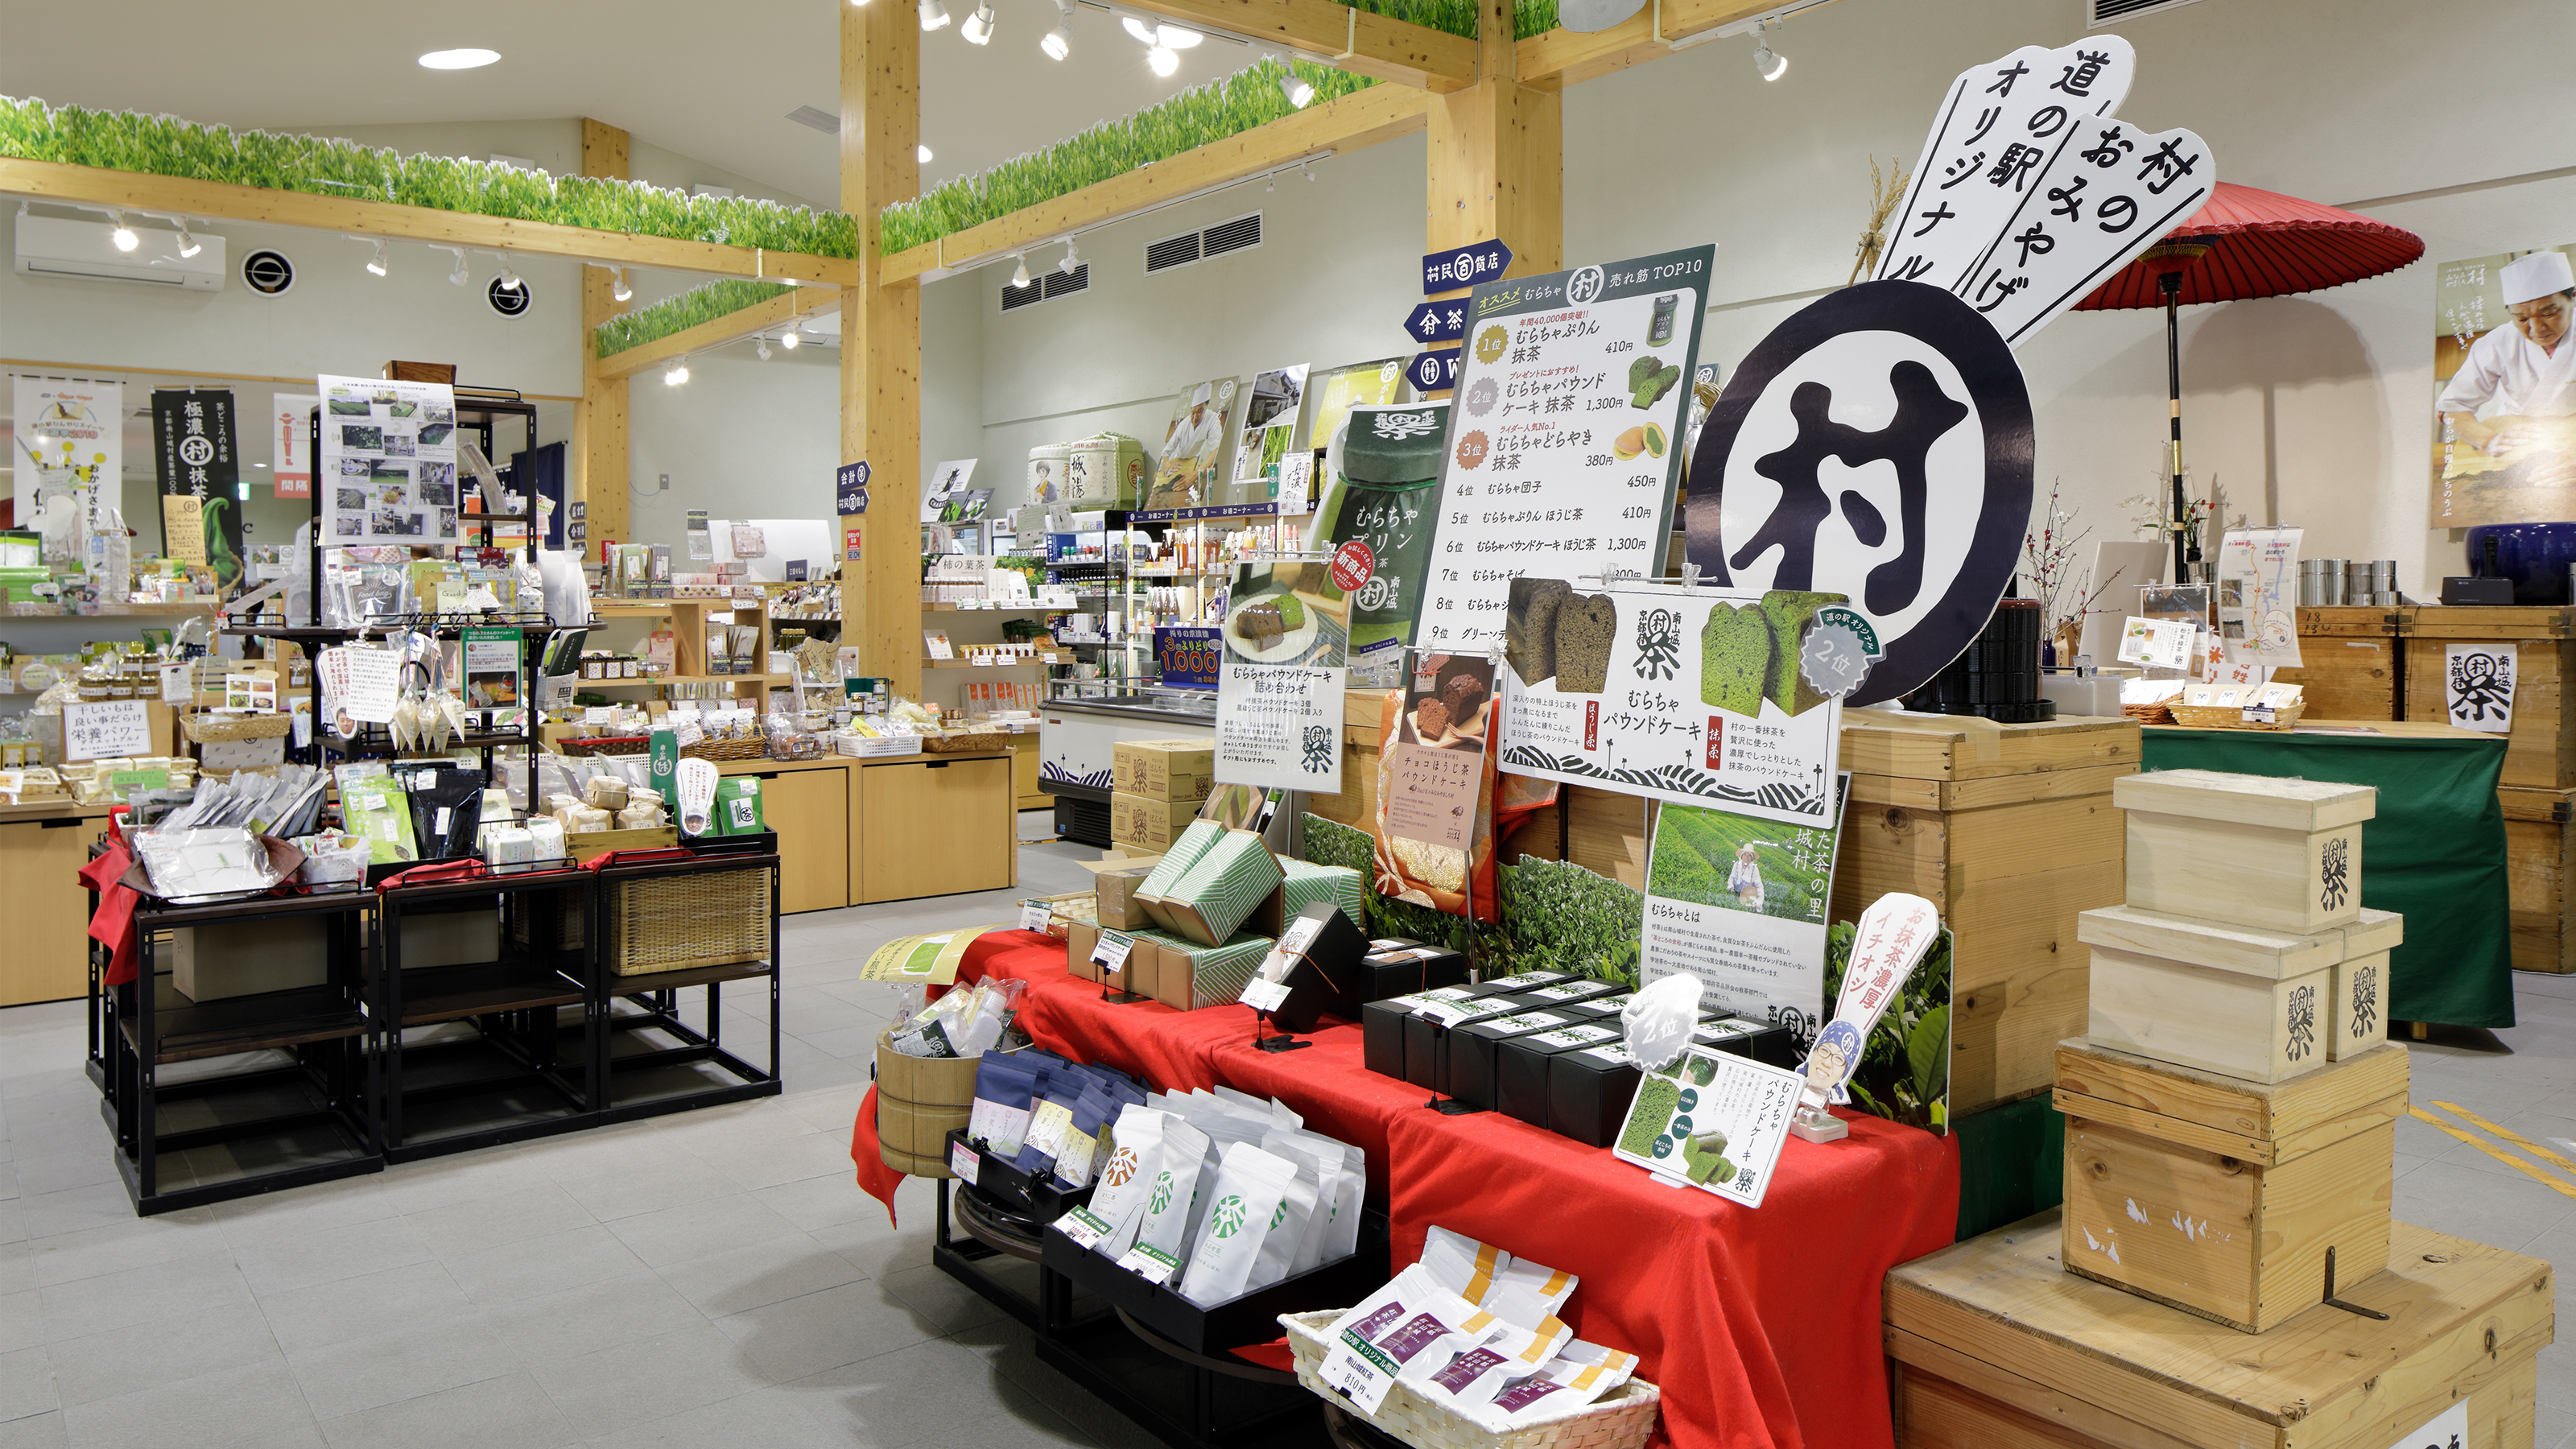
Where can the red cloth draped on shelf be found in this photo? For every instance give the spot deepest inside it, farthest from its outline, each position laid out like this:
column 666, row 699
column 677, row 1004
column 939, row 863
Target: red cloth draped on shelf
column 1760, row 1327
column 112, row 924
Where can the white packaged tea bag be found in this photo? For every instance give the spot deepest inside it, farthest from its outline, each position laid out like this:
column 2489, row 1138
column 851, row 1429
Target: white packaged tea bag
column 1250, row 1187
column 1507, row 1352
column 1320, row 1157
column 1135, row 1159
column 1408, row 1319
column 1287, row 1228
column 1162, row 1233
column 1580, row 1374
column 1525, row 1292
column 1461, row 1264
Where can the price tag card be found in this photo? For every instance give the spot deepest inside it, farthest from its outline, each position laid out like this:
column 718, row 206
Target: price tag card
column 2158, row 643
column 965, row 1163
column 1033, row 916
column 178, row 683
column 1451, row 1013
column 1151, row 1264
column 1266, row 995
column 1083, row 1226
column 2260, row 714
column 1110, row 953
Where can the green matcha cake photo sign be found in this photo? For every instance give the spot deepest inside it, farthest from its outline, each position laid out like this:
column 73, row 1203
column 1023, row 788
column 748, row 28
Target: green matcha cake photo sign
column 1693, row 696
column 1713, row 1120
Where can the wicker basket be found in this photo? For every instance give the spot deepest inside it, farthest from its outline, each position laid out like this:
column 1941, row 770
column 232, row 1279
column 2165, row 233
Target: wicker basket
column 2232, row 717
column 204, row 727
column 684, row 921
column 1620, row 1419
column 725, row 750
column 2147, row 714
column 604, row 744
column 970, row 742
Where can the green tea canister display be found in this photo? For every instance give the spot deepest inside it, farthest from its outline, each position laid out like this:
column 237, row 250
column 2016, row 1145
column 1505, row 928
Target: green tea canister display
column 1377, row 520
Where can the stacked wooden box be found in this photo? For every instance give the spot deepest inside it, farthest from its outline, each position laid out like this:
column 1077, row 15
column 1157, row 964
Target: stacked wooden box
column 2231, row 1117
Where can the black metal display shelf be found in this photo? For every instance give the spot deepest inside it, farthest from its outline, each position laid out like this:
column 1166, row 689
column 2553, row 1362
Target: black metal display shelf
column 370, row 748
column 639, row 1079
column 512, row 1079
column 229, row 1134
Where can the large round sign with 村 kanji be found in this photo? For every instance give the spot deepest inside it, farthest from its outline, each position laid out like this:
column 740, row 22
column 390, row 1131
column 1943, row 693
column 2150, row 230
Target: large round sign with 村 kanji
column 1878, row 445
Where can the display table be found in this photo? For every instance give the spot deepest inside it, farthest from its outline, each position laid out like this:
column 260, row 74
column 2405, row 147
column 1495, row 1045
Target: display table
column 888, row 828
column 2435, row 853
column 1760, row 1326
column 41, row 848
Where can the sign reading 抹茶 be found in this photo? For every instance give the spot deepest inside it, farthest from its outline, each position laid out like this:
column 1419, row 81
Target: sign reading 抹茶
column 195, row 459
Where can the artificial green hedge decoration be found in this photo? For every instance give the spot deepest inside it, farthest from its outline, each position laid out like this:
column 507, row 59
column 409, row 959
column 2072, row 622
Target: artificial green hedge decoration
column 1226, row 107
column 166, row 146
column 719, row 298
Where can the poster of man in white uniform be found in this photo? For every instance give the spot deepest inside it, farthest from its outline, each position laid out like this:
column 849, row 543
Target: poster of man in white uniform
column 2504, row 367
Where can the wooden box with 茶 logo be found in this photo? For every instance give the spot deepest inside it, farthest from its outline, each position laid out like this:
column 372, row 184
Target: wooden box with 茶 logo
column 2540, row 859
column 1995, row 1348
column 2248, row 850
column 2224, row 1197
column 2257, row 1004
column 2540, row 749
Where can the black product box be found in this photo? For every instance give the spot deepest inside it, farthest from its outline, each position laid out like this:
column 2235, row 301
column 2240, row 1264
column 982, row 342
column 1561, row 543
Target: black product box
column 1572, row 990
column 1324, row 968
column 1770, row 1045
column 1522, row 1067
column 1251, row 1318
column 1528, row 981
column 1407, row 968
column 1426, row 1045
column 1471, row 1051
column 1035, row 1198
column 1589, row 1090
column 1382, row 1030
column 1607, row 1007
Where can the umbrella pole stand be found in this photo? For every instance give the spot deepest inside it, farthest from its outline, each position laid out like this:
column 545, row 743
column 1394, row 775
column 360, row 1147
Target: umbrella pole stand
column 2170, row 283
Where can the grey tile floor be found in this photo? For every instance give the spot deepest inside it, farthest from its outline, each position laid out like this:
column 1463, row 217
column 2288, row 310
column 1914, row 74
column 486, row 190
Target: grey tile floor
column 714, row 1278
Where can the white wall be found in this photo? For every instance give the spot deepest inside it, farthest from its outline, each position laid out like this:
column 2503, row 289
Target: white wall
column 2313, row 410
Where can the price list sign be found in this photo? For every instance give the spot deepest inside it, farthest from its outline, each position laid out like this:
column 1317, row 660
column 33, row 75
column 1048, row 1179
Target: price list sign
column 1564, row 447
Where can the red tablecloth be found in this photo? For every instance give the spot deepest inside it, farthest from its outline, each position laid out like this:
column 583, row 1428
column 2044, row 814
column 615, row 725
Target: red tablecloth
column 1761, row 1327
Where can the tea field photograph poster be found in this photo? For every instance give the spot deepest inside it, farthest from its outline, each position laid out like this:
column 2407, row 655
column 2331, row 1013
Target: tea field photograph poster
column 1739, row 901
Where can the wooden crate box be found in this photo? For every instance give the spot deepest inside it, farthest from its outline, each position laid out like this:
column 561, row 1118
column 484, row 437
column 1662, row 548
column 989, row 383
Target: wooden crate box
column 2010, row 831
column 1995, row 1348
column 1357, row 802
column 2540, row 753
column 2540, row 855
column 2224, row 1197
column 2351, row 661
column 2251, row 850
column 2257, row 1004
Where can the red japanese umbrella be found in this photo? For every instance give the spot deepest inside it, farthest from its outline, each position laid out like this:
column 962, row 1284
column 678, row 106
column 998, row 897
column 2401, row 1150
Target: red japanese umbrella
column 2246, row 243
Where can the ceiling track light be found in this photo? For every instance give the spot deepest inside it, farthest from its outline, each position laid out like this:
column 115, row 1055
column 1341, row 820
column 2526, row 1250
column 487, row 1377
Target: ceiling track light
column 1020, row 273
column 1070, row 260
column 120, row 233
column 1767, row 63
column 761, row 349
column 794, row 334
column 1162, row 59
column 978, row 29
column 1299, row 90
column 677, row 373
column 934, row 14
column 189, row 246
column 619, row 289
column 1058, row 43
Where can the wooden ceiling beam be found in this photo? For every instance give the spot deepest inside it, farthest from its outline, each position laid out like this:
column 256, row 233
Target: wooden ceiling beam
column 1561, row 58
column 732, row 327
column 1342, row 36
column 259, row 205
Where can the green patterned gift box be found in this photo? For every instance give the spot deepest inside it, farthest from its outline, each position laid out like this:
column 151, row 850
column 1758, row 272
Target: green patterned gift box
column 1303, row 885
column 1219, row 892
column 1188, row 976
column 1154, row 892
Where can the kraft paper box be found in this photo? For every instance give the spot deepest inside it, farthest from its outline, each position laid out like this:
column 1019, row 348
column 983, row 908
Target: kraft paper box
column 1142, row 820
column 1077, row 951
column 1177, row 771
column 1194, row 842
column 1589, row 1091
column 1115, row 892
column 1522, row 1065
column 251, row 957
column 1218, row 894
column 1188, row 976
column 1382, row 1028
column 1472, row 1074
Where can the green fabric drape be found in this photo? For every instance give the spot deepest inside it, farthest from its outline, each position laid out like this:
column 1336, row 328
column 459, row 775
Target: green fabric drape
column 2434, row 853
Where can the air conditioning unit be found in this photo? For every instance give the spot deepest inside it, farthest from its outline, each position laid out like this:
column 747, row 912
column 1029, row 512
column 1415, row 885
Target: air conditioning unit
column 53, row 247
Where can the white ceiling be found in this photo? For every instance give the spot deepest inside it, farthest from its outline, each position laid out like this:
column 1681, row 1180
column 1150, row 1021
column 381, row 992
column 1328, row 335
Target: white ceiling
column 712, row 82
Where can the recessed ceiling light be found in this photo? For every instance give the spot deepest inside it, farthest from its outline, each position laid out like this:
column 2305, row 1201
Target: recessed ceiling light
column 466, row 59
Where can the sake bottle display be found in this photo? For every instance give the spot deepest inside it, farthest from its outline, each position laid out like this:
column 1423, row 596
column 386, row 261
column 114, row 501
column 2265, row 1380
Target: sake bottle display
column 1383, row 496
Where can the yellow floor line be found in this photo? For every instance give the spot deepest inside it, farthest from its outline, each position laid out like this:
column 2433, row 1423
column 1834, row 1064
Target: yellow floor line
column 2508, row 1134
column 2491, row 1150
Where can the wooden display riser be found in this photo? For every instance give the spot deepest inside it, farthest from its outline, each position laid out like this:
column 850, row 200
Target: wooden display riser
column 2540, row 855
column 1995, row 1347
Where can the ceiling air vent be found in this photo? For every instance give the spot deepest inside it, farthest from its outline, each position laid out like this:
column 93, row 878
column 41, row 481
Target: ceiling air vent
column 1240, row 234
column 815, row 116
column 2109, row 12
column 1046, row 286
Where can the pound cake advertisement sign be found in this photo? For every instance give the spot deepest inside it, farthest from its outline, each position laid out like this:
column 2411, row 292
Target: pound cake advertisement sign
column 1690, row 696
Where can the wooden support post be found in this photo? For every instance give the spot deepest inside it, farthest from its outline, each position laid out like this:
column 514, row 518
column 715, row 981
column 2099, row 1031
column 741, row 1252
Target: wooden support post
column 599, row 422
column 1497, row 158
column 881, row 345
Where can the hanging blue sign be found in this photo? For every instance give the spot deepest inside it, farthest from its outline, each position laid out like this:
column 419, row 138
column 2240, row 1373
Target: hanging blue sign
column 850, row 493
column 1189, row 655
column 1438, row 321
column 1433, row 371
column 1464, row 267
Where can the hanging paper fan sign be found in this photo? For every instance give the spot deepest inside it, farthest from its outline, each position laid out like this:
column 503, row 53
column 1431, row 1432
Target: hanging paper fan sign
column 1878, row 443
